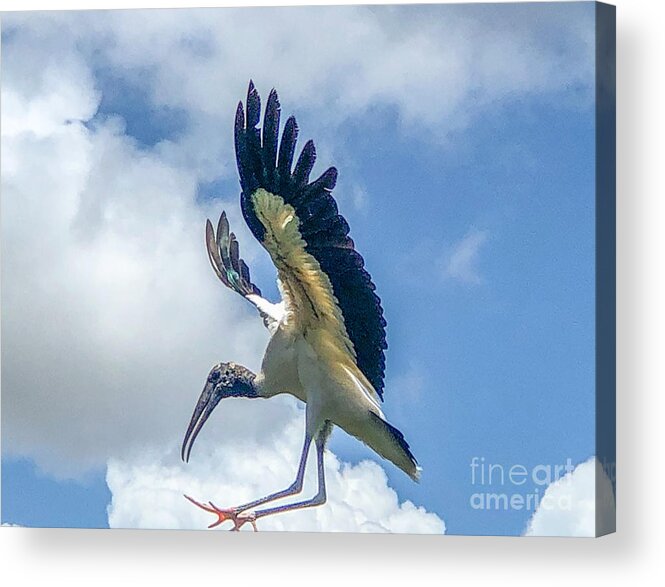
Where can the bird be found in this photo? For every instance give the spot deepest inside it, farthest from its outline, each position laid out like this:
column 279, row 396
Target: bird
column 327, row 334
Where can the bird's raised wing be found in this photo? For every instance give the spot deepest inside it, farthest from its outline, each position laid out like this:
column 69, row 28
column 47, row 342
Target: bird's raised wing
column 224, row 255
column 297, row 221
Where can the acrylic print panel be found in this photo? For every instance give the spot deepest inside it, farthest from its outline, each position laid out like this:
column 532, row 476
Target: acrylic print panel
column 442, row 341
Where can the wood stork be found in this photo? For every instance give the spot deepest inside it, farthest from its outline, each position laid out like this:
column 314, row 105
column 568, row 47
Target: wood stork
column 328, row 341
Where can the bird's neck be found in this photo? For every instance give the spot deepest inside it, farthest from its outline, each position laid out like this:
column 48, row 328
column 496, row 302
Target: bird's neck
column 260, row 387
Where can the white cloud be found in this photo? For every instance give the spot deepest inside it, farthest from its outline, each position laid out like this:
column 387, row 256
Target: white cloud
column 111, row 316
column 426, row 63
column 461, row 261
column 581, row 503
column 148, row 490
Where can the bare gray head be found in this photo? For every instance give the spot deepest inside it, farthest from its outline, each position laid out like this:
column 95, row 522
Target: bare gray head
column 224, row 380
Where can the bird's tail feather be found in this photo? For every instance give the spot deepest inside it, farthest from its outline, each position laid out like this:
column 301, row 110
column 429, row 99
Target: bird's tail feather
column 390, row 443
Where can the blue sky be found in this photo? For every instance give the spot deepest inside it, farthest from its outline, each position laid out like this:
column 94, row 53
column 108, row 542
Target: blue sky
column 506, row 364
column 478, row 231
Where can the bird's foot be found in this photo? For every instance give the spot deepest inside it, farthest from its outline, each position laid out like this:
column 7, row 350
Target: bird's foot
column 238, row 518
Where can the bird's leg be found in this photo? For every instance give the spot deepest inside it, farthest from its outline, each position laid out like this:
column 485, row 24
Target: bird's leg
column 293, row 489
column 318, row 499
column 236, row 514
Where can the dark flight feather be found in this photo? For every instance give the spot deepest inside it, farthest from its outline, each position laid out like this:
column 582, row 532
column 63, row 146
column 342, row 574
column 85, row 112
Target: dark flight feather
column 224, row 255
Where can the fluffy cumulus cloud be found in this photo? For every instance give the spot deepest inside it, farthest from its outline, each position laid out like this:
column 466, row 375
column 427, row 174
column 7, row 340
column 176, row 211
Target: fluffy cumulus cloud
column 111, row 316
column 426, row 64
column 581, row 503
column 148, row 490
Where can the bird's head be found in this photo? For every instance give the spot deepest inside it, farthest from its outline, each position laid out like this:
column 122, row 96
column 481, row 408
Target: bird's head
column 224, row 380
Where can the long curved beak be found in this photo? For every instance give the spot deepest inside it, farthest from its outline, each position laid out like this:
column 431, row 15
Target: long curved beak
column 207, row 403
